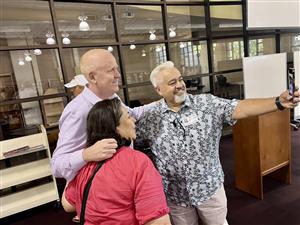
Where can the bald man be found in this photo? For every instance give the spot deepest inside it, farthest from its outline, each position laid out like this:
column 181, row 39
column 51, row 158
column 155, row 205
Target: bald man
column 102, row 72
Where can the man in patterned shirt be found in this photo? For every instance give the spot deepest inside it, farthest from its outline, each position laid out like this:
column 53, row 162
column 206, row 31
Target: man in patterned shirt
column 184, row 132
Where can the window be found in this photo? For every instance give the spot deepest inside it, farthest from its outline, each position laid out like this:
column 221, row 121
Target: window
column 25, row 23
column 84, row 23
column 160, row 52
column 186, row 21
column 142, row 60
column 136, row 22
column 38, row 58
column 227, row 54
column 234, row 50
column 226, row 20
column 261, row 46
column 190, row 57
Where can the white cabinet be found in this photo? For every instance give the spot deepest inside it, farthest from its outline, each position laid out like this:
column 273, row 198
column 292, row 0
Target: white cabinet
column 26, row 180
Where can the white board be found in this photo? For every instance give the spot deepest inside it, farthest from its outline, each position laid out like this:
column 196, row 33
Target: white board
column 273, row 14
column 297, row 80
column 265, row 76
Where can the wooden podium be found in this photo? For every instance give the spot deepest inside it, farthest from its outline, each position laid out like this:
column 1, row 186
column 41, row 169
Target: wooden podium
column 262, row 146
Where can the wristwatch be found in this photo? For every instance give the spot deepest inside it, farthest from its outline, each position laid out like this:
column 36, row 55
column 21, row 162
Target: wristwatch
column 278, row 104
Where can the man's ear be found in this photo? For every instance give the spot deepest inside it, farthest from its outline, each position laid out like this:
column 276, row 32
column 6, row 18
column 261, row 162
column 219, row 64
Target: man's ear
column 158, row 90
column 92, row 78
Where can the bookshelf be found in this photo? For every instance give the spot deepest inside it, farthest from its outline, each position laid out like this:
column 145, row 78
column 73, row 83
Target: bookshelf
column 26, row 179
column 53, row 107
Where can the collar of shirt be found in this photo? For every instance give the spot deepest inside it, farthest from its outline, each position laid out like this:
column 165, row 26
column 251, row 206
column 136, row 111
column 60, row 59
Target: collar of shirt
column 186, row 103
column 91, row 97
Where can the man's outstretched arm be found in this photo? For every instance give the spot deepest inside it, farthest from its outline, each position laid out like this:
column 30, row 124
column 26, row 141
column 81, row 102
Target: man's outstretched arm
column 254, row 107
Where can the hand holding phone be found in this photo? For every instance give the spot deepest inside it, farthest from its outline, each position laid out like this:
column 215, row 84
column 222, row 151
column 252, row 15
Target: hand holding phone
column 291, row 82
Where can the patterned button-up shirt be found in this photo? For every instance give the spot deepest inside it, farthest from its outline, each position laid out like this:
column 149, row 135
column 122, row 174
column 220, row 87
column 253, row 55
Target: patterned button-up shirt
column 186, row 146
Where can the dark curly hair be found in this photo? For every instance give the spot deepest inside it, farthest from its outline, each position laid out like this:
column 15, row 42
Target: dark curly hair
column 102, row 122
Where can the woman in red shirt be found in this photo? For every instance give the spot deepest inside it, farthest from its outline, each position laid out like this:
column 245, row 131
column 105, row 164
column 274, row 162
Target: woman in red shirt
column 127, row 190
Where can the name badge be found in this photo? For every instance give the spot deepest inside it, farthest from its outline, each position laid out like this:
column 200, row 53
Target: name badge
column 189, row 120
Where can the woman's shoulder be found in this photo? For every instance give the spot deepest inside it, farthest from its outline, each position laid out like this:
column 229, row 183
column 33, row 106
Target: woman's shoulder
column 131, row 155
column 129, row 151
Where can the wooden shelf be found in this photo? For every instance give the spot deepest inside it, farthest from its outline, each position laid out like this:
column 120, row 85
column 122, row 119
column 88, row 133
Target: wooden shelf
column 22, row 153
column 54, row 100
column 24, row 173
column 277, row 167
column 53, row 114
column 33, row 168
column 30, row 140
column 27, row 199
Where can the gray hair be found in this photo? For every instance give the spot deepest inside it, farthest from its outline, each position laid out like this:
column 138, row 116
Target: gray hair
column 154, row 76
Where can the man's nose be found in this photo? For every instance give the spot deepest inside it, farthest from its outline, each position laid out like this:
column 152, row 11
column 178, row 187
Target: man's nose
column 117, row 74
column 179, row 85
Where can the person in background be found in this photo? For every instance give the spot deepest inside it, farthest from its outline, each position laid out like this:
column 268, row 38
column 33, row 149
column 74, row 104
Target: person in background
column 184, row 133
column 127, row 189
column 101, row 70
column 77, row 84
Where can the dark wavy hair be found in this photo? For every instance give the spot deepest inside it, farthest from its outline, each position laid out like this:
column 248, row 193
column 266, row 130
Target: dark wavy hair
column 102, row 122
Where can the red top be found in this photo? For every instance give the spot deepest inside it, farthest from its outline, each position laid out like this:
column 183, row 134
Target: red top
column 127, row 190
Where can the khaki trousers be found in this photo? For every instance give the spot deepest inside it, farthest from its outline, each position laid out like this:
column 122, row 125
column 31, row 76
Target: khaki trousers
column 211, row 212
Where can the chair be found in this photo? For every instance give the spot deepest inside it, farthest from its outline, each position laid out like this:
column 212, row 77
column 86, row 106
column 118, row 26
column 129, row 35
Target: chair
column 226, row 89
column 223, row 86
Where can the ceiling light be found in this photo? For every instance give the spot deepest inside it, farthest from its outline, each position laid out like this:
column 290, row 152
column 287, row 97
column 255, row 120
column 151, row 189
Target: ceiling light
column 128, row 15
column 158, row 48
column 181, row 45
column 50, row 40
column 66, row 40
column 21, row 62
column 83, row 25
column 110, row 49
column 152, row 36
column 132, row 46
column 37, row 51
column 107, row 17
column 144, row 53
column 27, row 57
column 172, row 32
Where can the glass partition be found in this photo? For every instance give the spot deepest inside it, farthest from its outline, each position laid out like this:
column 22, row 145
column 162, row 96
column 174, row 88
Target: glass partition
column 226, row 20
column 141, row 60
column 186, row 22
column 84, row 23
column 229, row 85
column 261, row 46
column 25, row 23
column 142, row 95
column 52, row 109
column 24, row 74
column 227, row 54
column 140, row 22
column 290, row 43
column 14, row 118
column 190, row 58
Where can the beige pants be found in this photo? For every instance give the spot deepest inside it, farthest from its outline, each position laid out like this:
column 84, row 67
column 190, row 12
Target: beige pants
column 211, row 212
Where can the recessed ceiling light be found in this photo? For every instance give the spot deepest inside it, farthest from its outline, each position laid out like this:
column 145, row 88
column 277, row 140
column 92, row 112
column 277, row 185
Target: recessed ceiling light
column 107, row 17
column 128, row 15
